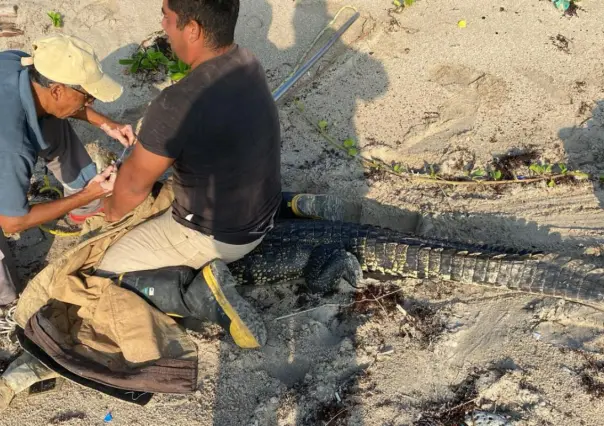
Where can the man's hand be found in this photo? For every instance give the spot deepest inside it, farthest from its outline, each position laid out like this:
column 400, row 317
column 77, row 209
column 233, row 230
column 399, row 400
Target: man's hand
column 121, row 132
column 102, row 184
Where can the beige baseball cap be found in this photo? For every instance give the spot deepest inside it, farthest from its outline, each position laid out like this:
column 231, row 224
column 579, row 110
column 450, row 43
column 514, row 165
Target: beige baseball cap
column 70, row 60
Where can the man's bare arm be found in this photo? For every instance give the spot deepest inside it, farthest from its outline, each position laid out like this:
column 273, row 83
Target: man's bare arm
column 121, row 132
column 135, row 180
column 93, row 117
column 45, row 212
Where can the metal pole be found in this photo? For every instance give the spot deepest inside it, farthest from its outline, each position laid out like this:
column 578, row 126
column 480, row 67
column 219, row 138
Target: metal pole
column 281, row 90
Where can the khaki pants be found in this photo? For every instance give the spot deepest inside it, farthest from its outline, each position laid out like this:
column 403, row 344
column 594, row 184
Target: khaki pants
column 163, row 242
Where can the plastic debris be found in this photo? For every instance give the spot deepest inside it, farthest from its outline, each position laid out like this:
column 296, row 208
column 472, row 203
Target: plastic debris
column 108, row 417
column 462, row 23
column 562, row 5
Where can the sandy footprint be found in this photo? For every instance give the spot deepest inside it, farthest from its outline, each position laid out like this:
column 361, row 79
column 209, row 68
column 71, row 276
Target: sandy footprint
column 470, row 89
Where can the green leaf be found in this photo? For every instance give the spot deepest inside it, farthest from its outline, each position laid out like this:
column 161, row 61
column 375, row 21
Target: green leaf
column 177, row 76
column 563, row 169
column 479, row 173
column 536, row 168
column 548, row 169
column 551, row 183
column 184, row 67
column 145, row 63
column 353, row 152
column 55, row 17
column 126, row 61
column 135, row 66
column 579, row 175
column 397, row 3
column 322, row 125
column 409, row 2
column 497, row 175
column 154, row 56
column 349, row 143
column 397, row 168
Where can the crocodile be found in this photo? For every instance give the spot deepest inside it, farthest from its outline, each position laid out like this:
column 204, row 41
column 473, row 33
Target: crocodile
column 323, row 252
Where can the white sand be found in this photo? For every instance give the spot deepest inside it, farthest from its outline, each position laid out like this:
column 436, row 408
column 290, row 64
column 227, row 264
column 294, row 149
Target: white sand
column 420, row 91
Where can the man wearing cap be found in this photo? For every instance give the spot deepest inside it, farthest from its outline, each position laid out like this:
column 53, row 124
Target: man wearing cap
column 60, row 80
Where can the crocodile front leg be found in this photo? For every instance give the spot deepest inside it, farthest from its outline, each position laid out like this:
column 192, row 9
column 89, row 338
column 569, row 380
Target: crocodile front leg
column 328, row 264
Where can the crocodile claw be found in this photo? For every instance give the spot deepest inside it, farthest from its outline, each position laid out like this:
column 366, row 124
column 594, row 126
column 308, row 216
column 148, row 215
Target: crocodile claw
column 328, row 264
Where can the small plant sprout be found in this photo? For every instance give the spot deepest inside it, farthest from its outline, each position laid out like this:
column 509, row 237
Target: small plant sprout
column 563, row 168
column 397, row 168
column 322, row 125
column 152, row 60
column 496, row 175
column 579, row 175
column 402, row 3
column 477, row 174
column 56, row 18
column 350, row 146
column 541, row 169
column 149, row 60
column 536, row 168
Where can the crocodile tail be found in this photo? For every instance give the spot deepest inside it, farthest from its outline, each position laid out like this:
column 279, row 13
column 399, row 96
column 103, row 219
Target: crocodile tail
column 547, row 274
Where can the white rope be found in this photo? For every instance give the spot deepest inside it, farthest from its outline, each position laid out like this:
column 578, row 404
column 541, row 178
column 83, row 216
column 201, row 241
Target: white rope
column 7, row 323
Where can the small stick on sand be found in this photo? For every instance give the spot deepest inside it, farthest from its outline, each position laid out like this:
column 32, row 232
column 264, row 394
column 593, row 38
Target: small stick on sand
column 7, row 11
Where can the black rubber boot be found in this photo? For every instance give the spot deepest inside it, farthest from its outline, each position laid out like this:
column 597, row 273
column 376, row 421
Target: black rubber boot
column 312, row 206
column 214, row 295
column 207, row 295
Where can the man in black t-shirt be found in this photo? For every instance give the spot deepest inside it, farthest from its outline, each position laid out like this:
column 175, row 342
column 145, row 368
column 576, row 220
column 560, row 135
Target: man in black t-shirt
column 219, row 129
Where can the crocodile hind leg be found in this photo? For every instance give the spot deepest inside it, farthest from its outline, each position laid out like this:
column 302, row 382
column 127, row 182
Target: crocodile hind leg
column 328, row 264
